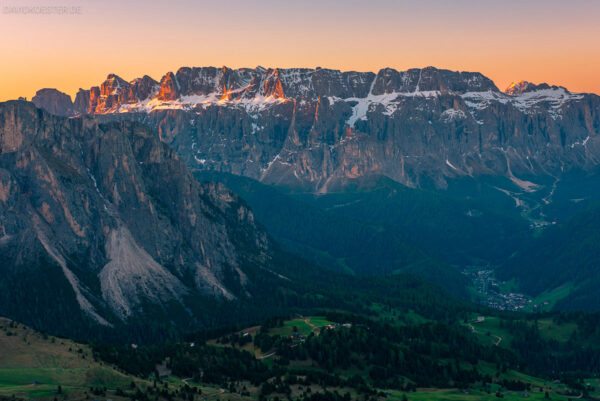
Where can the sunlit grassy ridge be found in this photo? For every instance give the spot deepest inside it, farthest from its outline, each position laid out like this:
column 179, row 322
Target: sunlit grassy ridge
column 33, row 364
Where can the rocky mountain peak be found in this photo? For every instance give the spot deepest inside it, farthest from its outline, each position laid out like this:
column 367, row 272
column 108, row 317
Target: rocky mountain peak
column 521, row 87
column 113, row 85
column 82, row 101
column 141, row 89
column 272, row 85
column 430, row 79
column 54, row 101
column 169, row 87
column 517, row 88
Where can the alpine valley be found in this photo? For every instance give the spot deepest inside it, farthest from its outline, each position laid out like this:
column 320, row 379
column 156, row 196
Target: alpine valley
column 425, row 171
column 300, row 234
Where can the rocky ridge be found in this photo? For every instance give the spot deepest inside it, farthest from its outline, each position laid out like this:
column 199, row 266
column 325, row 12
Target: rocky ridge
column 115, row 222
column 318, row 128
column 55, row 102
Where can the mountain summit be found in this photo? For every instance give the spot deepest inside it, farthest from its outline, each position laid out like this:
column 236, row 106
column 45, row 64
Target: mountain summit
column 517, row 88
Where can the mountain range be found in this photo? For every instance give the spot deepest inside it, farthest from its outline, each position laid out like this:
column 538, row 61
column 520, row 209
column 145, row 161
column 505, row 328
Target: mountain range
column 425, row 171
column 315, row 129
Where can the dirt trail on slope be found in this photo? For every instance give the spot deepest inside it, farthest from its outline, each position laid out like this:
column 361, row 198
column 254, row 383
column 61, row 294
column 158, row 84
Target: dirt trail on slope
column 481, row 319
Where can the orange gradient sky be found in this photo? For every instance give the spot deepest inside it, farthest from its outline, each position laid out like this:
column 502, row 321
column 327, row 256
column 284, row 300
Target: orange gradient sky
column 541, row 41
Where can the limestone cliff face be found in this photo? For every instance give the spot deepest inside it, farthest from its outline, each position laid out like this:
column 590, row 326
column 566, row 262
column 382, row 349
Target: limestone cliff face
column 117, row 217
column 54, row 102
column 317, row 128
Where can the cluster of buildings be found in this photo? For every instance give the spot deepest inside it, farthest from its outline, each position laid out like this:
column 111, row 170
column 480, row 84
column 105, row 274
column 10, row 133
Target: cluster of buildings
column 488, row 286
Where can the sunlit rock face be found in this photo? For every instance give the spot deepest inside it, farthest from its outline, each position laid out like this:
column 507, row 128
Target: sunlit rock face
column 317, row 128
column 517, row 88
column 115, row 222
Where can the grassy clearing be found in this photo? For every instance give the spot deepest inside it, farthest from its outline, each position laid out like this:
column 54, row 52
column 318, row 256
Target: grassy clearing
column 34, row 365
column 489, row 332
column 77, row 377
column 319, row 321
column 472, row 395
column 546, row 300
column 509, row 286
column 594, row 385
column 551, row 331
column 557, row 391
column 395, row 316
column 302, row 325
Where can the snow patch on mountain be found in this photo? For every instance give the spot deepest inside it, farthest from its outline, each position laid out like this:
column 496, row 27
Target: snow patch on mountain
column 390, row 101
column 452, row 115
column 191, row 102
column 552, row 99
column 481, row 100
column 555, row 98
column 452, row 166
column 580, row 143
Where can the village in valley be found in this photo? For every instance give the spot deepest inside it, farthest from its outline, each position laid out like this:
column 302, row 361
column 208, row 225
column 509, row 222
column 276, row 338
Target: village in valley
column 492, row 292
